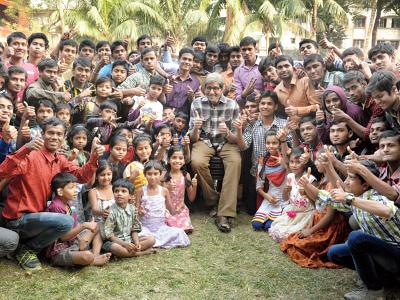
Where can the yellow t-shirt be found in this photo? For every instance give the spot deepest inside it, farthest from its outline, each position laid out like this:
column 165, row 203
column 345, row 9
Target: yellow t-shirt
column 140, row 180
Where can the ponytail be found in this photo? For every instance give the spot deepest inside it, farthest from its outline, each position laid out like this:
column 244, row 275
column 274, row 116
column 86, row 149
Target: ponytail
column 265, row 159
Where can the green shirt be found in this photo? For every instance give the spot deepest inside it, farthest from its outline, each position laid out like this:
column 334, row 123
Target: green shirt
column 121, row 222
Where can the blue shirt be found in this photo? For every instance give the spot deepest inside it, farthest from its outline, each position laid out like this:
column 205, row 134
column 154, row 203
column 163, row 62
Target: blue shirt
column 105, row 71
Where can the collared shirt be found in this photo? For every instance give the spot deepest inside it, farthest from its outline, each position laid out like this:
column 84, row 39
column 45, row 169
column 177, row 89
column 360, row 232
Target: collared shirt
column 121, row 222
column 255, row 134
column 179, row 98
column 387, row 230
column 242, row 76
column 394, row 113
column 299, row 94
column 392, row 179
column 140, row 78
column 371, row 110
column 41, row 90
column 31, row 173
column 73, row 90
column 226, row 110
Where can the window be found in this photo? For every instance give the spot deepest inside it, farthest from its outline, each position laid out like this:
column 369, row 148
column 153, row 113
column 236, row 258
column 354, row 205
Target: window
column 359, row 22
column 358, row 43
column 396, row 23
column 382, row 23
column 395, row 44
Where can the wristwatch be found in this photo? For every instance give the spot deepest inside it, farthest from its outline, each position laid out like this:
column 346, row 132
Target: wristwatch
column 349, row 199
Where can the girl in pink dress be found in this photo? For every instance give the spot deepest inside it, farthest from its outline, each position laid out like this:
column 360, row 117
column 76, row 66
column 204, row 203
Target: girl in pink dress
column 177, row 179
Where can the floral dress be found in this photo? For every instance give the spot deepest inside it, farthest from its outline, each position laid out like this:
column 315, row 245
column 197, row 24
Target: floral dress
column 296, row 215
column 181, row 219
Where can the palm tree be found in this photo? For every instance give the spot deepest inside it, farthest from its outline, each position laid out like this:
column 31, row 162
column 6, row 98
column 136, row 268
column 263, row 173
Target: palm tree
column 328, row 7
column 184, row 18
column 276, row 17
column 115, row 19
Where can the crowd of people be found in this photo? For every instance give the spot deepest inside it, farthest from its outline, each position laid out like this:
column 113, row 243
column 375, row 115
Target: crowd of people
column 103, row 151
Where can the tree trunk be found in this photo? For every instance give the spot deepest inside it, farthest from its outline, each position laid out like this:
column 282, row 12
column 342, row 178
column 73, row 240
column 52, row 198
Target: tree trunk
column 60, row 10
column 371, row 26
column 229, row 20
column 379, row 7
column 313, row 30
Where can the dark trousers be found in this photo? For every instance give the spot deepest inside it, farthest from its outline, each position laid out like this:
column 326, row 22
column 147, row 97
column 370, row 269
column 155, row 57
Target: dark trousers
column 376, row 261
column 38, row 230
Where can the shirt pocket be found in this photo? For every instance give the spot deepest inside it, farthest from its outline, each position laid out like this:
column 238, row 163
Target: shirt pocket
column 205, row 115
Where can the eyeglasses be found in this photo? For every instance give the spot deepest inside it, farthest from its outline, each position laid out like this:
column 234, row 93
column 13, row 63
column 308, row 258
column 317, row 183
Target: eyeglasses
column 213, row 88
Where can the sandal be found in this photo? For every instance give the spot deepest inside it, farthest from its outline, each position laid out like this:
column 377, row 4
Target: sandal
column 222, row 224
column 213, row 212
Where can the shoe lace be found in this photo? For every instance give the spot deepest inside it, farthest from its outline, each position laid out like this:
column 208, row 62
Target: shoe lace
column 28, row 255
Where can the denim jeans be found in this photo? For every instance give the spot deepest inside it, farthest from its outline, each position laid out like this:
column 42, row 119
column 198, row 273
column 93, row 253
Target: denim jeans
column 8, row 241
column 376, row 261
column 38, row 230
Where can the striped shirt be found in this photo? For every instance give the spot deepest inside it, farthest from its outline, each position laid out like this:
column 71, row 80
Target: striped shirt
column 387, row 230
column 73, row 90
column 140, row 78
column 255, row 134
column 226, row 110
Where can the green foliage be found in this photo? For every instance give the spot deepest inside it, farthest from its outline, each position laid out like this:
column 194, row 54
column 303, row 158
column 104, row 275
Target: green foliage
column 16, row 11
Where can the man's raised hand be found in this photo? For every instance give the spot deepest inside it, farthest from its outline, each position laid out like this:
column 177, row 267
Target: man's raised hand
column 198, row 121
column 35, row 144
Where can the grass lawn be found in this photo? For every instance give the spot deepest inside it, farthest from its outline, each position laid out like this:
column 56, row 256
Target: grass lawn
column 241, row 265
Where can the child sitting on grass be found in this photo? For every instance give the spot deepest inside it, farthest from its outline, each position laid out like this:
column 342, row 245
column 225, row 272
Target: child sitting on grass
column 122, row 225
column 154, row 201
column 70, row 250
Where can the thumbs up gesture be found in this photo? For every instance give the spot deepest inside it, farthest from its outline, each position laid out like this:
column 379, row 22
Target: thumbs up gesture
column 305, row 157
column 35, row 144
column 198, row 121
column 24, row 129
column 338, row 194
column 238, row 123
column 190, row 92
column 62, row 66
column 319, row 115
column 222, row 128
column 73, row 155
column 9, row 132
column 97, row 148
column 167, row 88
column 352, row 154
